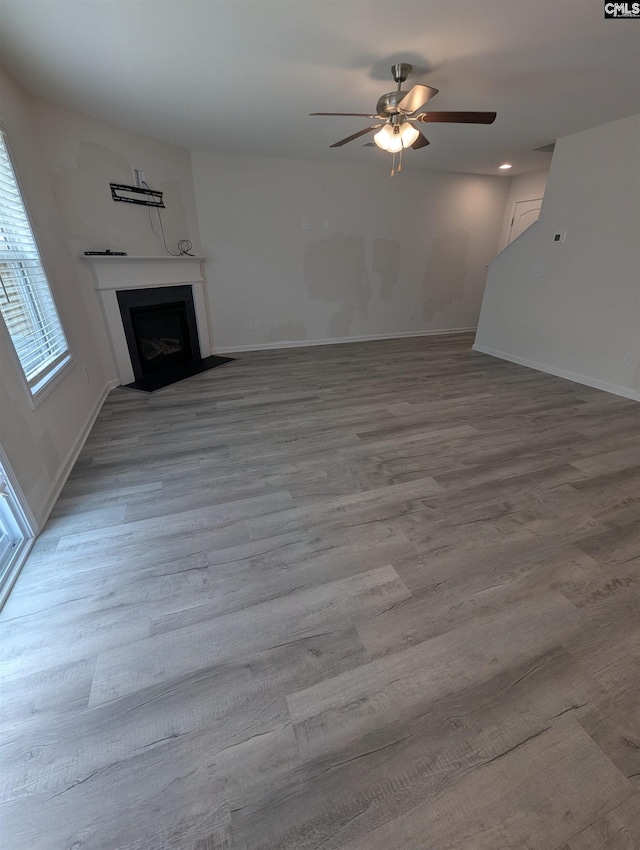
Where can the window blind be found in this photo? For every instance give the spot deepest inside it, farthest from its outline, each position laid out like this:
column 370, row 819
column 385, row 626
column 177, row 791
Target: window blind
column 26, row 301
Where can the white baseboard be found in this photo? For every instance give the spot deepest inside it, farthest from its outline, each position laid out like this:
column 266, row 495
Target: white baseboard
column 304, row 343
column 625, row 392
column 42, row 515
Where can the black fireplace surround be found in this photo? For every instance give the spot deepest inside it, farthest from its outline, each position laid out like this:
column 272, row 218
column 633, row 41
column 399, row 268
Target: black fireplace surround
column 162, row 336
column 160, row 328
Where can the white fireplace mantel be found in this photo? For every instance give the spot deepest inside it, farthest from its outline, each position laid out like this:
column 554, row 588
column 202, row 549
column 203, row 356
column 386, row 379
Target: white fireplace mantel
column 112, row 274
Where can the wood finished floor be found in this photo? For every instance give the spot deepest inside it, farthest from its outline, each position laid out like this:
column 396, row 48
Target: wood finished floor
column 382, row 596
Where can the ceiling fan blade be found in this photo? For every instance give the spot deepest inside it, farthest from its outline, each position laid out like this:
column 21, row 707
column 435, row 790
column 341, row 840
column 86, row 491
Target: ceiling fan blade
column 456, row 117
column 353, row 114
column 355, row 136
column 420, row 142
column 416, row 98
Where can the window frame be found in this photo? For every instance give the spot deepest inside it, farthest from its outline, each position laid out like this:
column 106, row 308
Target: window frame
column 41, row 385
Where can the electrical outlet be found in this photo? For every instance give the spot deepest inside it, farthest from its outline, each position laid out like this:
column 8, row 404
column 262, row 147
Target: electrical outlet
column 305, row 223
column 537, row 270
column 247, row 325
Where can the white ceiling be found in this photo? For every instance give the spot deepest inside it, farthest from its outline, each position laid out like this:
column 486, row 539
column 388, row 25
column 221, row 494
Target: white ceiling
column 240, row 76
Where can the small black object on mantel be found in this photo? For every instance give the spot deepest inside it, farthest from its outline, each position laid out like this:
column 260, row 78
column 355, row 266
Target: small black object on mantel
column 106, row 253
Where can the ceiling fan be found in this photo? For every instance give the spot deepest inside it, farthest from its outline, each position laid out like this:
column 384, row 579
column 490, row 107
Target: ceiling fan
column 398, row 111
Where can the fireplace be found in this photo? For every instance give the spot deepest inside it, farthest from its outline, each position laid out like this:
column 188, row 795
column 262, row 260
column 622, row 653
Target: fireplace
column 160, row 328
column 114, row 275
column 155, row 313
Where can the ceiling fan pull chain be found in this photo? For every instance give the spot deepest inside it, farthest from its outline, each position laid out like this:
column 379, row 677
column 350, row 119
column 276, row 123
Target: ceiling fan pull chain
column 393, row 165
column 400, row 161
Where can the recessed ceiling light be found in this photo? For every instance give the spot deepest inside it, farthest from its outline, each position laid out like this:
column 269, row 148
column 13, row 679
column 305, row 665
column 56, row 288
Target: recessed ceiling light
column 506, row 165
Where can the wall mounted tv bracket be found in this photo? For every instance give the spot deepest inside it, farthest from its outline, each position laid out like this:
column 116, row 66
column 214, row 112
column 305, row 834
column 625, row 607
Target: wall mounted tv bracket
column 136, row 195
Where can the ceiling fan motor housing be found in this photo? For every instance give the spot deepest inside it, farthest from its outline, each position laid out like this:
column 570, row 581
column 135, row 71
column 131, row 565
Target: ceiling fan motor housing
column 388, row 104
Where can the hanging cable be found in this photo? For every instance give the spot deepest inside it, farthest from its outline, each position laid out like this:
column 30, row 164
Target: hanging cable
column 184, row 245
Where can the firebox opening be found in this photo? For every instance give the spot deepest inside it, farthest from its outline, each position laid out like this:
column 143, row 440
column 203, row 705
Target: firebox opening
column 160, row 328
column 162, row 336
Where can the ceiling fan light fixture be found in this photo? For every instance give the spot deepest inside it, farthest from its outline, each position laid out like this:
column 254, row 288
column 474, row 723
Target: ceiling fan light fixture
column 395, row 145
column 394, row 137
column 408, row 134
column 383, row 137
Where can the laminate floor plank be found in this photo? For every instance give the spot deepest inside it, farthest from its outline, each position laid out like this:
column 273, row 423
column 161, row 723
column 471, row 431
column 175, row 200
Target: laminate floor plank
column 297, row 615
column 618, row 829
column 614, row 724
column 241, row 584
column 344, row 597
column 518, row 800
column 26, row 644
column 444, row 599
column 394, row 687
column 58, row 689
column 396, row 767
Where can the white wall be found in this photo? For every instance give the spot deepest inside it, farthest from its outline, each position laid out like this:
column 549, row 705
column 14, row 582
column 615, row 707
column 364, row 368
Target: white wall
column 524, row 187
column 380, row 255
column 83, row 156
column 581, row 317
column 65, row 162
column 41, row 443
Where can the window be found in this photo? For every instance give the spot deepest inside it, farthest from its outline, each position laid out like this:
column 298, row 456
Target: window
column 26, row 301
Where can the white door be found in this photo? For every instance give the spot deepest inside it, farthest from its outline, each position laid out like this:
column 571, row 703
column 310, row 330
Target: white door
column 8, row 541
column 15, row 535
column 524, row 215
